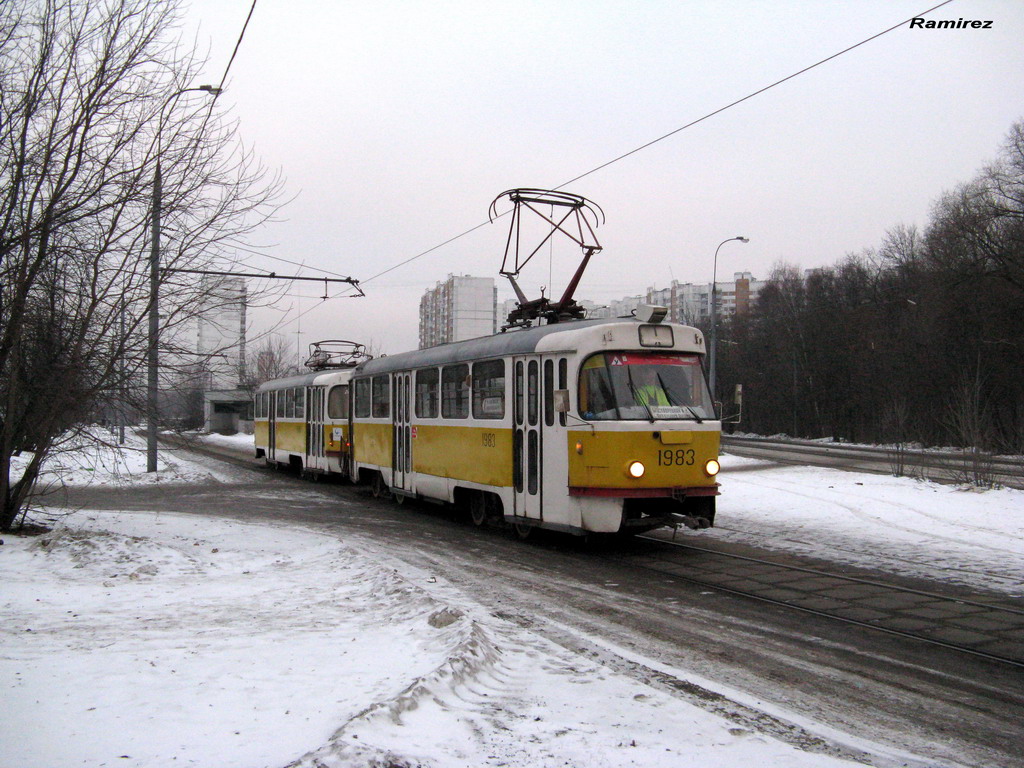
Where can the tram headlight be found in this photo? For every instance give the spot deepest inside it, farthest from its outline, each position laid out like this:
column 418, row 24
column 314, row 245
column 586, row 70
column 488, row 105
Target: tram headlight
column 636, row 469
column 711, row 467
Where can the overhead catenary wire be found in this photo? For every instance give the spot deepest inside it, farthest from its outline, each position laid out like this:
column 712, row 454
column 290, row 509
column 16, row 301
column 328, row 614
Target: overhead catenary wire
column 651, row 143
column 303, row 265
column 681, row 128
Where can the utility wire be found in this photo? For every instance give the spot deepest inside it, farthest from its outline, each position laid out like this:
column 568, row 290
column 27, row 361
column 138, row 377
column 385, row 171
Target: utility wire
column 654, row 141
column 253, row 251
column 237, row 45
column 678, row 130
column 750, row 96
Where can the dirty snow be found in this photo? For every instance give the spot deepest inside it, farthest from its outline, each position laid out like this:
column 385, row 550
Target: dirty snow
column 156, row 639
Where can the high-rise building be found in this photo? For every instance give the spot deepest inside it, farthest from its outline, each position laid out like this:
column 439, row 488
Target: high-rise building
column 221, row 332
column 461, row 307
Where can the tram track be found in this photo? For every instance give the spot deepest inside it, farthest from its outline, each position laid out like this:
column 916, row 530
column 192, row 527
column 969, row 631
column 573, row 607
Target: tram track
column 989, row 629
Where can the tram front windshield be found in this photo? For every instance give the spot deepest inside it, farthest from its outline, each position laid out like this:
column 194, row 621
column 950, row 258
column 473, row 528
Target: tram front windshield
column 644, row 385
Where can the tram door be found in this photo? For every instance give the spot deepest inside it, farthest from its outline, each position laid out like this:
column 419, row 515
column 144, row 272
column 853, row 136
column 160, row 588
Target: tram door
column 315, row 427
column 527, row 459
column 271, row 425
column 402, row 457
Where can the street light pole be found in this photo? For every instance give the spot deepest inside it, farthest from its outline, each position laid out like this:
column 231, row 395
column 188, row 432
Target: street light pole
column 154, row 324
column 714, row 318
column 152, row 401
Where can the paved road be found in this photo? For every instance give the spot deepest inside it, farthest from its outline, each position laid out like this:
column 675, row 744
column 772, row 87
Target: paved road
column 938, row 704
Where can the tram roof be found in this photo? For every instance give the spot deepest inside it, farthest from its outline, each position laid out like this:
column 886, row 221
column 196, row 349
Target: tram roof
column 518, row 342
column 305, row 379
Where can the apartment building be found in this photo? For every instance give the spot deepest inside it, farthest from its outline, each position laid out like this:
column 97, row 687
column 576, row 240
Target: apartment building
column 461, row 307
column 690, row 303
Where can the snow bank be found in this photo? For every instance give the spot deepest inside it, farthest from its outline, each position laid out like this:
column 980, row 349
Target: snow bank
column 141, row 639
column 955, row 534
column 95, row 457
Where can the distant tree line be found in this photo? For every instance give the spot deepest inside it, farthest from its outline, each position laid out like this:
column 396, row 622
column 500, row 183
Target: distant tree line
column 920, row 339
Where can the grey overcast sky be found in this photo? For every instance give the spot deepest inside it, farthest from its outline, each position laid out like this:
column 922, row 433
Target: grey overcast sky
column 396, row 124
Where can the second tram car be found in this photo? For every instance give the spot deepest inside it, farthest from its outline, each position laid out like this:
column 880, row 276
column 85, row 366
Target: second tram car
column 303, row 421
column 589, row 426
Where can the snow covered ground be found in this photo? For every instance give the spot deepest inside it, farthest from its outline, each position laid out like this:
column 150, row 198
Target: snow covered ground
column 952, row 533
column 155, row 639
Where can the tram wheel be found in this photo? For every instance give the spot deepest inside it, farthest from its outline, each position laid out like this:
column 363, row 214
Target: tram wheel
column 478, row 509
column 378, row 487
column 522, row 530
column 400, row 498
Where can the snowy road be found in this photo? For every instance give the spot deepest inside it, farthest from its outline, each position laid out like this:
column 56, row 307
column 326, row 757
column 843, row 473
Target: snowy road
column 309, row 621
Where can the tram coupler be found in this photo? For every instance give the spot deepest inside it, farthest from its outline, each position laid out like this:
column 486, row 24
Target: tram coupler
column 691, row 522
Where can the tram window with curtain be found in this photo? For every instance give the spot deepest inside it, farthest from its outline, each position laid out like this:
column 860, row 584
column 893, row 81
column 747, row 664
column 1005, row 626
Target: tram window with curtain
column 489, row 390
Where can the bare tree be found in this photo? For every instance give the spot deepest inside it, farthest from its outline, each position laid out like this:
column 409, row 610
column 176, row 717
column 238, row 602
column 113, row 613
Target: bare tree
column 969, row 422
column 92, row 96
column 273, row 358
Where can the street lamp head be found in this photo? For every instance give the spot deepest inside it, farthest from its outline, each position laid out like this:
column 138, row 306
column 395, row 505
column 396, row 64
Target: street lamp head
column 210, row 89
column 743, row 239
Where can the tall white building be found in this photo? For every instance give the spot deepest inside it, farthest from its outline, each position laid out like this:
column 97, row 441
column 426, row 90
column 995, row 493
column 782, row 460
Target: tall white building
column 221, row 332
column 462, row 307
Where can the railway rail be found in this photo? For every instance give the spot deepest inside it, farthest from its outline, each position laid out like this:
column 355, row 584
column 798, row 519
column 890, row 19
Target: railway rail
column 954, row 466
column 988, row 626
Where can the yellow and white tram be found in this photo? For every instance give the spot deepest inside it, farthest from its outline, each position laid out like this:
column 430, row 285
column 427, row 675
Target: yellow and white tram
column 587, row 426
column 303, row 421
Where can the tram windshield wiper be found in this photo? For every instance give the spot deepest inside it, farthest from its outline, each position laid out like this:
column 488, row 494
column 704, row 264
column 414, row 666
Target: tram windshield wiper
column 636, row 394
column 668, row 394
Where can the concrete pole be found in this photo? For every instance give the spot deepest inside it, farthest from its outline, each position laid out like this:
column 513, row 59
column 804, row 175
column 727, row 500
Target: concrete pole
column 152, row 404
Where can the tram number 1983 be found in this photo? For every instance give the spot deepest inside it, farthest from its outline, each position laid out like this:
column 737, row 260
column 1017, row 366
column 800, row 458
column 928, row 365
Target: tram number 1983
column 676, row 458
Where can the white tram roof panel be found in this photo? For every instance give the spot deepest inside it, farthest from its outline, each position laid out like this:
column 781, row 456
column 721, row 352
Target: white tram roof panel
column 557, row 337
column 320, row 378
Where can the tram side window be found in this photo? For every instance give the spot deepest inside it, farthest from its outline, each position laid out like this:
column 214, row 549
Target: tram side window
column 427, row 393
column 337, row 402
column 289, row 408
column 381, row 397
column 519, row 393
column 563, row 378
column 279, row 398
column 532, row 391
column 549, row 392
column 362, row 398
column 300, row 402
column 455, row 391
column 489, row 390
